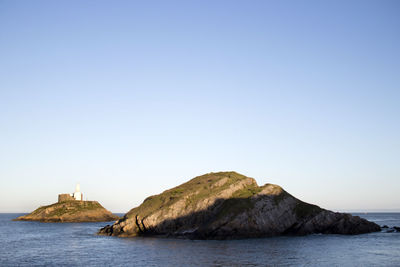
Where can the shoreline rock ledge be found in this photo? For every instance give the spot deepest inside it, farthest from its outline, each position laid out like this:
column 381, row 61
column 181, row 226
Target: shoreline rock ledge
column 228, row 205
column 70, row 211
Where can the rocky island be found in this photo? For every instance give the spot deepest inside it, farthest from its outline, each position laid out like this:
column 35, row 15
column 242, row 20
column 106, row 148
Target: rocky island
column 70, row 208
column 228, row 205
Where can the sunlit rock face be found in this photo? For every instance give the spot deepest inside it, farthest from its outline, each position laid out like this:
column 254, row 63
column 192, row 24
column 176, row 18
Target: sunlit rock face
column 227, row 205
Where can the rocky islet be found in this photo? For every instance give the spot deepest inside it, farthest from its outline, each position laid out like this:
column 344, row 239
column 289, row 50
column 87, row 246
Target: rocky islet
column 70, row 211
column 228, row 205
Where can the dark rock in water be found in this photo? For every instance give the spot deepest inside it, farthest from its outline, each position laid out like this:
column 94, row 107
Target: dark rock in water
column 228, row 205
column 70, row 211
column 391, row 229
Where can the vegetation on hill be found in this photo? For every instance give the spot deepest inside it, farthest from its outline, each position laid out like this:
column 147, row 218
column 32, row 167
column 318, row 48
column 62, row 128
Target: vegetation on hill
column 70, row 211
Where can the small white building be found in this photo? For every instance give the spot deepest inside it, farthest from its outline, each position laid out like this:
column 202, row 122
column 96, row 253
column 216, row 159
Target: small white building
column 77, row 195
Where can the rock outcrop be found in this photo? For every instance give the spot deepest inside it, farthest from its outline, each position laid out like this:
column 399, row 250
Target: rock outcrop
column 70, row 211
column 229, row 205
column 387, row 229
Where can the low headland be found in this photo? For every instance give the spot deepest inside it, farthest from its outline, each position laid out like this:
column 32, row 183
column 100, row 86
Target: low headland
column 228, row 205
column 70, row 211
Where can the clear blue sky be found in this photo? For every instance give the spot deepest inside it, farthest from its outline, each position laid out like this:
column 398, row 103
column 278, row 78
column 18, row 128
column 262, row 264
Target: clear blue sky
column 131, row 98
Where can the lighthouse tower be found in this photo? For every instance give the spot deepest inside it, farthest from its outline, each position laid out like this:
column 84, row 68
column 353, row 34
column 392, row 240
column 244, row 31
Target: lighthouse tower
column 78, row 195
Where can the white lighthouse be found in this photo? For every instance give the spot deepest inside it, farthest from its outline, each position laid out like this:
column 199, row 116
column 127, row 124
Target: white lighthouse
column 78, row 195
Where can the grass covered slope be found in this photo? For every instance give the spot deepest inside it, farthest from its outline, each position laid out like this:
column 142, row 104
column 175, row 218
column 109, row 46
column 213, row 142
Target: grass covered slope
column 70, row 211
column 193, row 195
column 230, row 205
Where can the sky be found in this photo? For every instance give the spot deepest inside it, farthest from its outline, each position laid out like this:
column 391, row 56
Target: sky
column 130, row 98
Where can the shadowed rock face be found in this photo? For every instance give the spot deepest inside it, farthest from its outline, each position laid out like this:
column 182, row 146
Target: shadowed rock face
column 70, row 211
column 229, row 205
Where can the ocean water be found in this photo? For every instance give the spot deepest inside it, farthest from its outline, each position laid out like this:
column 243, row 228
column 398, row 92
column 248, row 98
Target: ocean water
column 76, row 244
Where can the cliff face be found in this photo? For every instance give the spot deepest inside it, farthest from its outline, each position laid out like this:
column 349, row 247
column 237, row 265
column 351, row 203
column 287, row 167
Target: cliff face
column 229, row 205
column 70, row 211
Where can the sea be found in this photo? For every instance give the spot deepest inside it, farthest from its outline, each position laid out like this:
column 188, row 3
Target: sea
column 76, row 244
